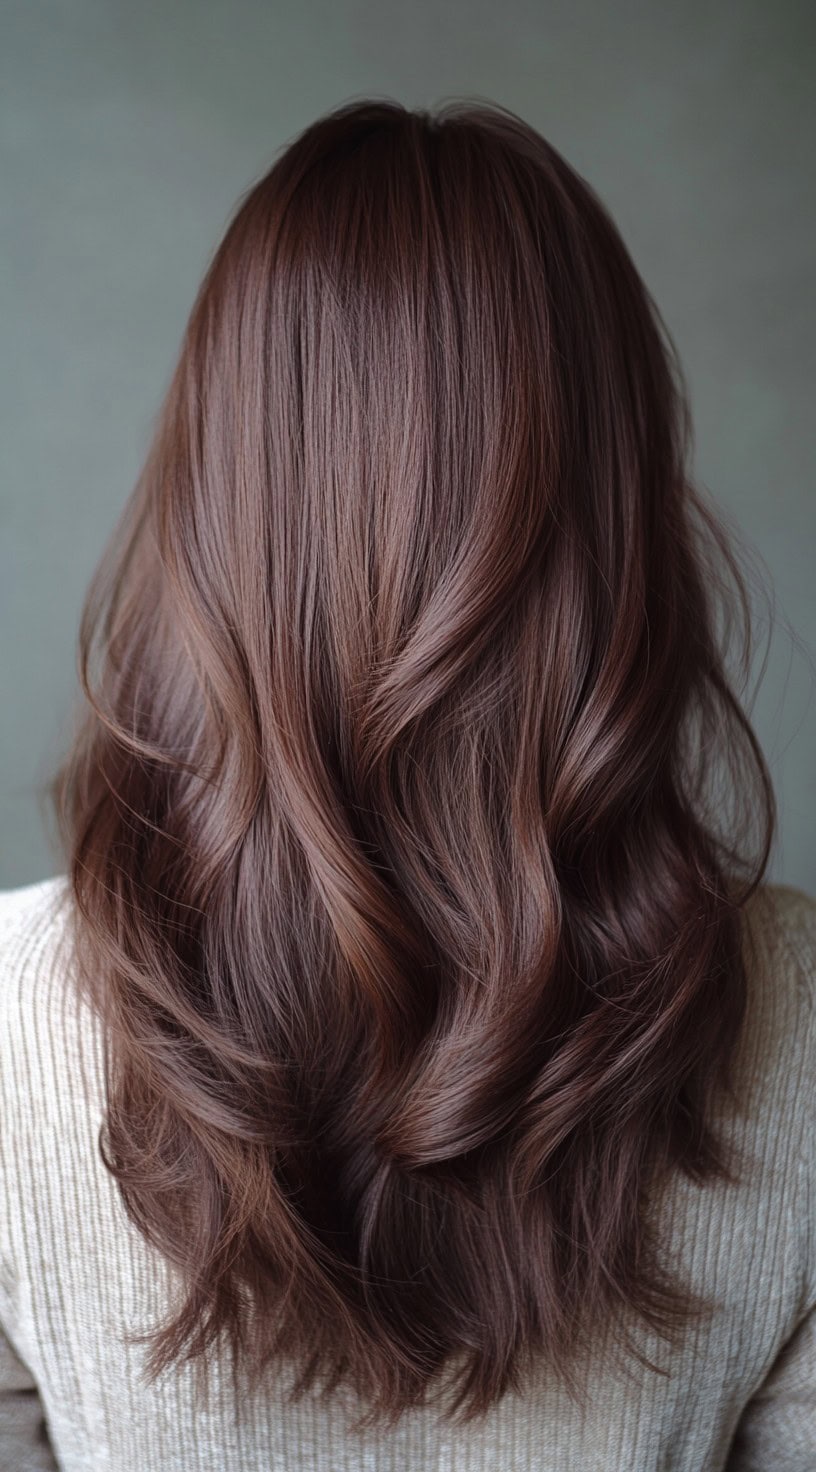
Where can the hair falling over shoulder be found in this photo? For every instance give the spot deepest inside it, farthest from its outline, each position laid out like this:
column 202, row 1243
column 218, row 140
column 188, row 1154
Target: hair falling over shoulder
column 408, row 817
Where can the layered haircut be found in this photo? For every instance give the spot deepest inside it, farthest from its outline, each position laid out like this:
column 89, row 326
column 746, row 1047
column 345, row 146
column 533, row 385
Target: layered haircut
column 413, row 808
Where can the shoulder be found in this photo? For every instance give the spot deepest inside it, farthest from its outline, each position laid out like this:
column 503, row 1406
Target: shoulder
column 28, row 910
column 794, row 921
column 33, row 922
column 779, row 948
column 43, row 1021
column 779, row 1047
column 780, row 928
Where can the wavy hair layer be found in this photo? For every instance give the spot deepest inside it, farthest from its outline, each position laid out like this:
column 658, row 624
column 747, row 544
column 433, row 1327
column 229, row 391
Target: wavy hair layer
column 408, row 820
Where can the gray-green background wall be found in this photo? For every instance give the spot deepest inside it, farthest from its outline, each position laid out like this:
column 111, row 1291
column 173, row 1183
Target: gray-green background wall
column 130, row 129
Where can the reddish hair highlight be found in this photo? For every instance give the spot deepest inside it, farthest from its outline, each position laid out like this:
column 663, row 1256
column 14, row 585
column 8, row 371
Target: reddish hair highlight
column 409, row 823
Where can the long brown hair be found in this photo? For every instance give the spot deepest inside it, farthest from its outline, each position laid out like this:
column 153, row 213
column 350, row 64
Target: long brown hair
column 408, row 825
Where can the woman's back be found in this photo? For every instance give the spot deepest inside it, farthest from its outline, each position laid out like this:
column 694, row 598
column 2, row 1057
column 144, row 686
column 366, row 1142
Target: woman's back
column 407, row 835
column 75, row 1276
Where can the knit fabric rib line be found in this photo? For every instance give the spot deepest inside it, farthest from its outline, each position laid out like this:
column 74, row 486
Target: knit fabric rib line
column 76, row 1276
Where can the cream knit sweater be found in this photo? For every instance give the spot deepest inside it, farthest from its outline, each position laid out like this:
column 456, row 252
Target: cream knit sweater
column 74, row 1274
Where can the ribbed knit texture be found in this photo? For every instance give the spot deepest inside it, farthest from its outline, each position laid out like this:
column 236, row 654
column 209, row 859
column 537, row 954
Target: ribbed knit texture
column 75, row 1275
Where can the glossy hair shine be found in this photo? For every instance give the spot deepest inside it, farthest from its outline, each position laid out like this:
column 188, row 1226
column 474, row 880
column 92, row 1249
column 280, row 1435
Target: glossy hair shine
column 408, row 821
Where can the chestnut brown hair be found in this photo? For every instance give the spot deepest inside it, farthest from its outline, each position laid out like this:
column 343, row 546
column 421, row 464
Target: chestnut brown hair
column 412, row 812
